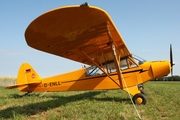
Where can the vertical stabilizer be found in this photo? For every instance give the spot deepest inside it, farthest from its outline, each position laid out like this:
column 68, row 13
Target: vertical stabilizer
column 26, row 75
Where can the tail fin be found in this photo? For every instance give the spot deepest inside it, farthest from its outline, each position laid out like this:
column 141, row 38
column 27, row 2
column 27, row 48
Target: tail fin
column 26, row 76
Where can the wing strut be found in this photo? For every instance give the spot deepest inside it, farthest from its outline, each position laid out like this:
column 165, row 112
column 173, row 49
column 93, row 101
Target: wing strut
column 116, row 59
column 117, row 64
column 100, row 68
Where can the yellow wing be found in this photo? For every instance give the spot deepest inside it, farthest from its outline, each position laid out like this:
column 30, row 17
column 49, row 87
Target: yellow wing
column 67, row 31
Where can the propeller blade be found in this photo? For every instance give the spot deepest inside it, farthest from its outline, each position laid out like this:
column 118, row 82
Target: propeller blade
column 171, row 56
column 171, row 60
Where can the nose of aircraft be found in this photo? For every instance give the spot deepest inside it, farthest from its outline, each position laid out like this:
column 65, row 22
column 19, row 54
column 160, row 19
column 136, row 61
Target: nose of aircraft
column 160, row 68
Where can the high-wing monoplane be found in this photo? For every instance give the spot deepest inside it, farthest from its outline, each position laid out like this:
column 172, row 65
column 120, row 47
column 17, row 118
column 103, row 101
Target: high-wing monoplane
column 86, row 34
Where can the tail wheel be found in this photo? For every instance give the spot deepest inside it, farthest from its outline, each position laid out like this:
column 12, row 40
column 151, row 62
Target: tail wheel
column 139, row 98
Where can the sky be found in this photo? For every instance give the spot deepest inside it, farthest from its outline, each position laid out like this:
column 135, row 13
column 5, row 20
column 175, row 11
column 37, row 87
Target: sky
column 147, row 27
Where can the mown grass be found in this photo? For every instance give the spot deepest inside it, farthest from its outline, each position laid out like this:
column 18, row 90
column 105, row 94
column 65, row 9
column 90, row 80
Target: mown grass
column 163, row 103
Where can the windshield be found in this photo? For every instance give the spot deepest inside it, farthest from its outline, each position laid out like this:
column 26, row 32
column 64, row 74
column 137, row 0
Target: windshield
column 138, row 60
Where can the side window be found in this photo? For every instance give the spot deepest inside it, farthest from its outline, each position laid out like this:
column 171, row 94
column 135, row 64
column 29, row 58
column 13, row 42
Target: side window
column 92, row 71
column 123, row 64
column 131, row 64
column 111, row 67
column 127, row 63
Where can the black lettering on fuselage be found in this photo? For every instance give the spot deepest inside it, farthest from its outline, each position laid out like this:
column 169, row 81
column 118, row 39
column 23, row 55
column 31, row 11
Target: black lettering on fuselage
column 45, row 84
column 51, row 84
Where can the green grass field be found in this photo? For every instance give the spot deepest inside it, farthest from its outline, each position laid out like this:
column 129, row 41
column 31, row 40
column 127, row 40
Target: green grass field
column 163, row 103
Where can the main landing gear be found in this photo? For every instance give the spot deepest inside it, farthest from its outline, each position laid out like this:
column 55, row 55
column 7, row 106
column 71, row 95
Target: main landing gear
column 140, row 98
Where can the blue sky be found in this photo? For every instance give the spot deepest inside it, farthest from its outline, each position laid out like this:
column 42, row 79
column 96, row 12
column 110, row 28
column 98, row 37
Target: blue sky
column 147, row 27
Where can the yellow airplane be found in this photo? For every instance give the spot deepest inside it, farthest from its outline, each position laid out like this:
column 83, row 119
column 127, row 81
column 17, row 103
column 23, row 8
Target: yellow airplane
column 86, row 34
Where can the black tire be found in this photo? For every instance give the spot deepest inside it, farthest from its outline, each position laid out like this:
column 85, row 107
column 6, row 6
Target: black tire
column 141, row 97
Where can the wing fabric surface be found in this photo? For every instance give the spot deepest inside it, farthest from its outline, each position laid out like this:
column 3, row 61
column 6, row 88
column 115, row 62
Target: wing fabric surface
column 68, row 31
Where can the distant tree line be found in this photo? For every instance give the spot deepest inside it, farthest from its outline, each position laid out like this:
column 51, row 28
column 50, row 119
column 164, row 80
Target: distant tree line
column 5, row 81
column 168, row 78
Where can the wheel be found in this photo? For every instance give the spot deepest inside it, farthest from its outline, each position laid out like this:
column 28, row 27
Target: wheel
column 139, row 98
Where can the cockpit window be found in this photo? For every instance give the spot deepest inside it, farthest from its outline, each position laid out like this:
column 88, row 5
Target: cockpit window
column 138, row 60
column 109, row 67
column 124, row 64
column 127, row 63
column 132, row 64
column 93, row 70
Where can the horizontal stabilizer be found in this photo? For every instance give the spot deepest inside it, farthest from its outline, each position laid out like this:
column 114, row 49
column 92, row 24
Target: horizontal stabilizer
column 23, row 84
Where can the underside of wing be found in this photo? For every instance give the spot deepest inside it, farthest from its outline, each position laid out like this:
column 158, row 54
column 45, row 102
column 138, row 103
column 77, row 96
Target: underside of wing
column 71, row 31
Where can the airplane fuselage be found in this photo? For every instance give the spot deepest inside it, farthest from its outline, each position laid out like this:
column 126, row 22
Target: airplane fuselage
column 79, row 80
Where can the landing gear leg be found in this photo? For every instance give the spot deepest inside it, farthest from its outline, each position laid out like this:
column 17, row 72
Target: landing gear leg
column 43, row 94
column 141, row 89
column 25, row 94
column 138, row 96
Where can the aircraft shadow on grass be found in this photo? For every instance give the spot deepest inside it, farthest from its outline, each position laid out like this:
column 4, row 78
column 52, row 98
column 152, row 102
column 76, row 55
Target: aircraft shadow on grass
column 35, row 108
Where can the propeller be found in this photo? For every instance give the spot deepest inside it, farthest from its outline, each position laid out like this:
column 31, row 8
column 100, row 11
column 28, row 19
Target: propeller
column 171, row 60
